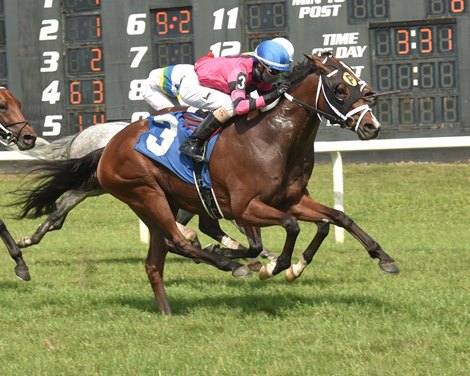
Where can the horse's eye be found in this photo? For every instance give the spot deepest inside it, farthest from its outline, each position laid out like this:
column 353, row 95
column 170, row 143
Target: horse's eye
column 3, row 106
column 341, row 92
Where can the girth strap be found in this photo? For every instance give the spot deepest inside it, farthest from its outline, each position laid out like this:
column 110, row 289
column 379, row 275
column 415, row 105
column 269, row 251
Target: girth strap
column 206, row 195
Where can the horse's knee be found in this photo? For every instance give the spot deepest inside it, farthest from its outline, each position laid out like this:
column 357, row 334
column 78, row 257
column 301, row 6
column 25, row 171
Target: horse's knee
column 323, row 229
column 291, row 225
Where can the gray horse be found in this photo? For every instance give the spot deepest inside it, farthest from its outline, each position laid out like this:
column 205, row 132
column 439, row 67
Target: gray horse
column 96, row 137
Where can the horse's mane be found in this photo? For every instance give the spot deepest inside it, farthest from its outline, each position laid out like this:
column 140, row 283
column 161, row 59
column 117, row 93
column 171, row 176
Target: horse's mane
column 302, row 70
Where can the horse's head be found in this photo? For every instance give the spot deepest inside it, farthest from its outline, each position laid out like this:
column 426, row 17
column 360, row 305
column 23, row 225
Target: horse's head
column 13, row 126
column 347, row 96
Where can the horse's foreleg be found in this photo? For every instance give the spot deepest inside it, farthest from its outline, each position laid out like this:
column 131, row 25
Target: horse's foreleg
column 312, row 211
column 21, row 269
column 259, row 214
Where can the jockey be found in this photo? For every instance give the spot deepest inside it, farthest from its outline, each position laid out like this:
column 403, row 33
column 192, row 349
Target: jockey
column 161, row 89
column 225, row 81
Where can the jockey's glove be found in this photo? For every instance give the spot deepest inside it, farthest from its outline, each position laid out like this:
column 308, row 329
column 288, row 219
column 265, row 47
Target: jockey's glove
column 283, row 87
column 276, row 92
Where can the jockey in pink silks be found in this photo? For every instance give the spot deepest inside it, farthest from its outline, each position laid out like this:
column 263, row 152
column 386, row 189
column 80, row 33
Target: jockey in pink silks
column 225, row 81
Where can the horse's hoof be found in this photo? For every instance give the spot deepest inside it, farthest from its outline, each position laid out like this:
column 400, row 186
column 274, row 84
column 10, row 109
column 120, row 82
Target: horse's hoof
column 291, row 275
column 242, row 272
column 22, row 273
column 254, row 265
column 389, row 267
column 266, row 271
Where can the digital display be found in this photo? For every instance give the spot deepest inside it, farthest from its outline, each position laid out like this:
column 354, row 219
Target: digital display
column 88, row 60
column 172, row 36
column 417, row 40
column 418, row 58
column 83, row 28
column 447, row 7
column 268, row 16
column 3, row 65
column 85, row 91
column 174, row 53
column 81, row 5
column 364, row 10
column 172, row 22
column 432, row 75
column 83, row 119
column 3, row 54
column 85, row 60
column 2, row 33
column 425, row 110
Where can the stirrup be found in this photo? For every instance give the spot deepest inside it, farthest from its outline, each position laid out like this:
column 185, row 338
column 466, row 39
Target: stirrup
column 193, row 152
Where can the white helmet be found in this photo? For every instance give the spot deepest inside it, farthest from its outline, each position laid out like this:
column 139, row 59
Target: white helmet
column 287, row 45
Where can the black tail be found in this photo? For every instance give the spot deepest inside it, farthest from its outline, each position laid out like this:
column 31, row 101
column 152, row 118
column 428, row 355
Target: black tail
column 55, row 177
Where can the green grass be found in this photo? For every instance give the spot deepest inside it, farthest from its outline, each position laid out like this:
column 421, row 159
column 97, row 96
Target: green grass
column 89, row 309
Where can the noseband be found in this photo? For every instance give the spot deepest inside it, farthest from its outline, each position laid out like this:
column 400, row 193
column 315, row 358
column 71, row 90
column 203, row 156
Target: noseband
column 8, row 135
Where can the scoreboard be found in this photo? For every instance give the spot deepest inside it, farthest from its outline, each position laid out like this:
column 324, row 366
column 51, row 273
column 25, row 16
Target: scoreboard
column 74, row 63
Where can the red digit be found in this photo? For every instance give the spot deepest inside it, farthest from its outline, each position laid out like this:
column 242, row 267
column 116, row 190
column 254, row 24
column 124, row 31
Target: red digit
column 75, row 95
column 403, row 41
column 185, row 23
column 161, row 18
column 98, row 26
column 425, row 40
column 98, row 95
column 457, row 6
column 95, row 63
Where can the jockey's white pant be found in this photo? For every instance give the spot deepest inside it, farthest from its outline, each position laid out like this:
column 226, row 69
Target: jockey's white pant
column 198, row 96
column 185, row 84
column 153, row 93
column 158, row 100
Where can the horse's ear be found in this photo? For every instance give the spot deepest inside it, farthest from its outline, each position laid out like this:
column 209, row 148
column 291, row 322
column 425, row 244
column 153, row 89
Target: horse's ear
column 317, row 61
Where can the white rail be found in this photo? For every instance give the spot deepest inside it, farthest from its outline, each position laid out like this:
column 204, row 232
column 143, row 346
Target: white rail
column 334, row 148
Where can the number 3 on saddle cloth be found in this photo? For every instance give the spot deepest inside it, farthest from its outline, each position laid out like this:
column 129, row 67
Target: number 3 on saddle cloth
column 161, row 143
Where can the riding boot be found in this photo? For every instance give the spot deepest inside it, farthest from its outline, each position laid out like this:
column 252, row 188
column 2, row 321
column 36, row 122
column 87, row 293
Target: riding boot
column 193, row 146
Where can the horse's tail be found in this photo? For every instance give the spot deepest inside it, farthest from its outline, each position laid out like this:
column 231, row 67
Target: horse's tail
column 55, row 177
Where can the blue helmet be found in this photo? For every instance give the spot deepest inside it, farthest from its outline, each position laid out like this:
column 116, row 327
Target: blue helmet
column 273, row 55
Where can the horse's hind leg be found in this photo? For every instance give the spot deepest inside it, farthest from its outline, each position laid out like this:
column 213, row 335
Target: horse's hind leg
column 154, row 266
column 56, row 219
column 265, row 253
column 21, row 269
column 234, row 249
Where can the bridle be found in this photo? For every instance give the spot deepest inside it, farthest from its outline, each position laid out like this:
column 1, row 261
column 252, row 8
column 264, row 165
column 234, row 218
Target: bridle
column 8, row 135
column 341, row 116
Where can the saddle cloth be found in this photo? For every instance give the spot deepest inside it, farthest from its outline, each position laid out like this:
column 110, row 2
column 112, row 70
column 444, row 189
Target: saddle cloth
column 161, row 143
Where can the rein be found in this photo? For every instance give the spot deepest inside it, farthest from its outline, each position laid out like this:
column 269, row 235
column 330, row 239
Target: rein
column 330, row 117
column 8, row 135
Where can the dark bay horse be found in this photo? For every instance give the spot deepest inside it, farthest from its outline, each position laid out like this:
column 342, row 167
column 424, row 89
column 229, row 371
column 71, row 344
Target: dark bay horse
column 259, row 168
column 14, row 129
